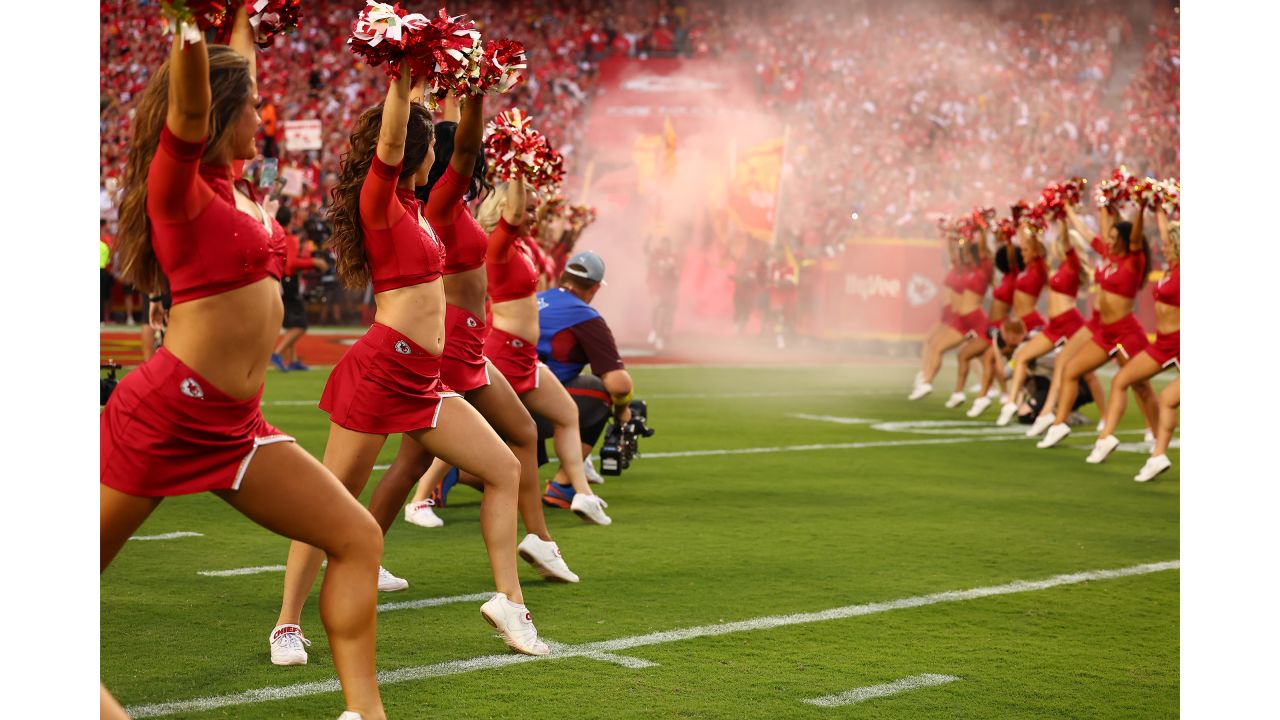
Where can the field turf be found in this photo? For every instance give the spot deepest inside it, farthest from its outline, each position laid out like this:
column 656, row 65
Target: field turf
column 704, row 539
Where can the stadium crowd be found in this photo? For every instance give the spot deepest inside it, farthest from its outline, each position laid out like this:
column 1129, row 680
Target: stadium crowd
column 937, row 107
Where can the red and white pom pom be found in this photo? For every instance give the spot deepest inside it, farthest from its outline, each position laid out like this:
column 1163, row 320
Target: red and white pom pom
column 511, row 145
column 500, row 67
column 381, row 33
column 1005, row 229
column 1167, row 194
column 446, row 51
column 581, row 215
column 1071, row 192
column 1144, row 191
column 1115, row 190
column 549, row 172
column 191, row 18
column 272, row 17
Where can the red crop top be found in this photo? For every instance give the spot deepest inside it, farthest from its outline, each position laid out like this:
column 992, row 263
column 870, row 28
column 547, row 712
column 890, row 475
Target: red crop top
column 1033, row 277
column 464, row 240
column 511, row 272
column 955, row 279
column 1168, row 290
column 1004, row 291
column 1067, row 278
column 402, row 252
column 1122, row 275
column 204, row 245
column 978, row 278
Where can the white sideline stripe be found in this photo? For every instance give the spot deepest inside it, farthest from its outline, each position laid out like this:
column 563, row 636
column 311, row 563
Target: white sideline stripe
column 590, row 650
column 857, row 695
column 625, row 661
column 687, row 396
column 167, row 536
column 827, row 446
column 434, row 602
column 833, row 419
column 242, row 571
column 810, row 448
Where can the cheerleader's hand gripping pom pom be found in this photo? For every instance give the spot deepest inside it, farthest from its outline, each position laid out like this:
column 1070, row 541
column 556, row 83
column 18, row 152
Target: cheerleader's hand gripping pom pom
column 191, row 18
column 581, row 215
column 269, row 18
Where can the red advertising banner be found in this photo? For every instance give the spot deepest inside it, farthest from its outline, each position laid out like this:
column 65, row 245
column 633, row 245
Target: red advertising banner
column 891, row 289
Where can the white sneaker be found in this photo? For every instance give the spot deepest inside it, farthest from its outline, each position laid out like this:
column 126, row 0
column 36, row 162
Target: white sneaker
column 515, row 624
column 979, row 406
column 1149, row 438
column 390, row 583
column 994, row 393
column 920, row 391
column 1007, row 411
column 420, row 513
column 1054, row 435
column 287, row 645
column 349, row 715
column 1155, row 465
column 545, row 557
column 1101, row 425
column 590, row 508
column 1041, row 424
column 1102, row 448
column 589, row 469
column 956, row 400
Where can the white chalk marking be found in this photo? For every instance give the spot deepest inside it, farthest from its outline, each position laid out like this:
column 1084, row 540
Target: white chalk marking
column 625, row 661
column 167, row 536
column 974, row 428
column 688, row 396
column 1144, row 448
column 434, row 602
column 809, row 448
column 242, row 571
column 833, row 419
column 489, row 662
column 857, row 695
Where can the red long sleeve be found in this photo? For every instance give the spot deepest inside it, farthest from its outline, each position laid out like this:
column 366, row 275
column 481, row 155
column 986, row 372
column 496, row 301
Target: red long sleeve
column 501, row 241
column 446, row 198
column 379, row 206
column 175, row 193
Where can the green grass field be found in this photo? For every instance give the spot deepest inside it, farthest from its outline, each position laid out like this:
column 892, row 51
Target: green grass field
column 705, row 539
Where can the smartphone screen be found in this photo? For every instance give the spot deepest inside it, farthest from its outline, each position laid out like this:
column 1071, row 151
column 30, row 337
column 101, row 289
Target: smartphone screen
column 270, row 169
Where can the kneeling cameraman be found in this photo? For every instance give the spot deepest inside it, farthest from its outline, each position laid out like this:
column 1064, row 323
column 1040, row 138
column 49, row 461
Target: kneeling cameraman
column 573, row 335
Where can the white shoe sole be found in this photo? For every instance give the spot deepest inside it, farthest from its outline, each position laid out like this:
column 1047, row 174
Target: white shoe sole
column 433, row 522
column 286, row 663
column 506, row 638
column 591, row 520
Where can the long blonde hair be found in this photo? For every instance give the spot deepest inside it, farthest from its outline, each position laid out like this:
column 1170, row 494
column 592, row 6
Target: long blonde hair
column 1175, row 243
column 490, row 211
column 231, row 87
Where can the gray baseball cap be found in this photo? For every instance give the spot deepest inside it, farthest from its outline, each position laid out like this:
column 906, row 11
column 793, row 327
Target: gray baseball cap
column 588, row 266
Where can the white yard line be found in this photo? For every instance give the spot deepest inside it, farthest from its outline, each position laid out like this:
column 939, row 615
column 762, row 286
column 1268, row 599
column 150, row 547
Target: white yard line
column 684, row 396
column 434, row 602
column 808, row 448
column 857, row 695
column 611, row 647
column 167, row 536
column 832, row 419
column 242, row 571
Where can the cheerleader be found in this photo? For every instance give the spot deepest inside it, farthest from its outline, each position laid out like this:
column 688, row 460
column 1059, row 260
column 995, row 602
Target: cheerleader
column 390, row 380
column 1159, row 460
column 1065, row 321
column 1118, row 333
column 952, row 288
column 189, row 419
column 1009, row 262
column 1156, row 357
column 968, row 319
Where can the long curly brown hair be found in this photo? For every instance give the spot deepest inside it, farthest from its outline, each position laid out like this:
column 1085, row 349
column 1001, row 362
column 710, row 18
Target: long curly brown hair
column 232, row 87
column 347, row 240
